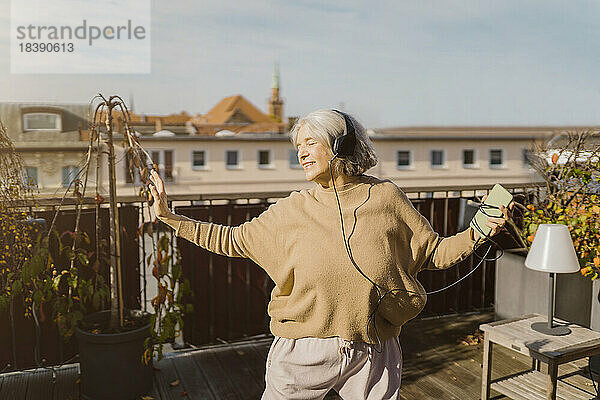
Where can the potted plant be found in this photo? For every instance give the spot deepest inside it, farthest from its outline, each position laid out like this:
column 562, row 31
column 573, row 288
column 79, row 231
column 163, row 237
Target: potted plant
column 65, row 272
column 118, row 340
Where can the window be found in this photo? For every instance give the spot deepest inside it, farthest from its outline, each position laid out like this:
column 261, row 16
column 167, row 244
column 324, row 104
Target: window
column 496, row 158
column 69, row 173
column 437, row 158
column 527, row 157
column 42, row 121
column 264, row 159
column 155, row 155
column 403, row 159
column 165, row 162
column 231, row 159
column 31, row 176
column 162, row 158
column 168, row 165
column 293, row 157
column 468, row 158
column 199, row 159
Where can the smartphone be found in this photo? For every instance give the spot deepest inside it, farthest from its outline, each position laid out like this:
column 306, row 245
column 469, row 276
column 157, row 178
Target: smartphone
column 497, row 197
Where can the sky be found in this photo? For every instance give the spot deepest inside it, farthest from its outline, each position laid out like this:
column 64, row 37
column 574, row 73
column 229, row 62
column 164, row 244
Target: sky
column 389, row 63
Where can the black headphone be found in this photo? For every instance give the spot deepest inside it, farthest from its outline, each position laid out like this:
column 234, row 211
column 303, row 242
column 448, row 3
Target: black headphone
column 343, row 146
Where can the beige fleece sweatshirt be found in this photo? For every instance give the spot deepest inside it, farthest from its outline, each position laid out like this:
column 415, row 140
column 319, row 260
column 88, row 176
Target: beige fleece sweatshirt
column 318, row 292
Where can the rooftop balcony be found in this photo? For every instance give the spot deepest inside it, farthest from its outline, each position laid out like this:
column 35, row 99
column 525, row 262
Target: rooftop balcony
column 226, row 339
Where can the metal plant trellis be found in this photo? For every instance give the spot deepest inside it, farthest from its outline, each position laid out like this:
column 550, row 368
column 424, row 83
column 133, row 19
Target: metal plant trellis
column 169, row 304
column 104, row 109
column 103, row 115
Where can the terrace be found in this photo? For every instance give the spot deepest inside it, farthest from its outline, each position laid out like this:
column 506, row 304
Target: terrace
column 226, row 338
column 436, row 366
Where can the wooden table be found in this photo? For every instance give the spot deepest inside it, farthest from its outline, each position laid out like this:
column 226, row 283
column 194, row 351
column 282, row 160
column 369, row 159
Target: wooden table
column 516, row 334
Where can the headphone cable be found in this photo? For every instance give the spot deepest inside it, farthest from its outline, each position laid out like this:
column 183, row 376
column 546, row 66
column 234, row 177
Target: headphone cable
column 372, row 315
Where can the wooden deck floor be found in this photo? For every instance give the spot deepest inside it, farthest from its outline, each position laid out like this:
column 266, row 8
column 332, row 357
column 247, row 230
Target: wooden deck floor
column 436, row 366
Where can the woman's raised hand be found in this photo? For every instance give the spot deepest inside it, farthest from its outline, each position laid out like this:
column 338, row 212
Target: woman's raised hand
column 497, row 224
column 157, row 188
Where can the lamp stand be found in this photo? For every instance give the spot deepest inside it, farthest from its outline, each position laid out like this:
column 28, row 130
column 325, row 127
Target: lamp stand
column 547, row 328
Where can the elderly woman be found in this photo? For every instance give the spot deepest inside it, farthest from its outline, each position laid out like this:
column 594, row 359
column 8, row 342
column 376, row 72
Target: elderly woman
column 335, row 252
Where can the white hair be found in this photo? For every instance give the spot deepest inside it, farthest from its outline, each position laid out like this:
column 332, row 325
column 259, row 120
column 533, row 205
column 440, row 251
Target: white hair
column 326, row 125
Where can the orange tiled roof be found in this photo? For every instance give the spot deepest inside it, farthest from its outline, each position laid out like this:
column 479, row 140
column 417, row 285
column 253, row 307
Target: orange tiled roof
column 222, row 112
column 233, row 113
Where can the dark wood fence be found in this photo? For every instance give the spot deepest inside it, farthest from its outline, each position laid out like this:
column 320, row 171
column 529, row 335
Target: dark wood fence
column 231, row 294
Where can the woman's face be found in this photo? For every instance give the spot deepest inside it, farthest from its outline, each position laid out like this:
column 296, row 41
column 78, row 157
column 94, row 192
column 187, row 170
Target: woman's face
column 314, row 157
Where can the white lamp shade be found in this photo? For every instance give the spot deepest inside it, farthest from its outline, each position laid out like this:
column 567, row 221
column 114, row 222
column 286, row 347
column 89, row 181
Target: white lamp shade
column 552, row 250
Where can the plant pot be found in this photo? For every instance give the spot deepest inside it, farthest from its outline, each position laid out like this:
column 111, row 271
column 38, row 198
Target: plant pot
column 111, row 364
column 594, row 361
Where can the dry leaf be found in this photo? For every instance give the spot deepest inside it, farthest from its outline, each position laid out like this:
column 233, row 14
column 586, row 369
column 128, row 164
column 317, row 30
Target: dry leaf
column 98, row 199
column 174, row 383
column 147, row 398
column 183, row 393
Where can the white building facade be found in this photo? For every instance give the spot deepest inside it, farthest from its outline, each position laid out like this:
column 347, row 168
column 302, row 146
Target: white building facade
column 54, row 149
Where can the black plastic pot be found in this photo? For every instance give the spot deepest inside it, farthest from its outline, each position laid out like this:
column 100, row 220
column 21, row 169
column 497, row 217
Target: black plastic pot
column 111, row 364
column 594, row 361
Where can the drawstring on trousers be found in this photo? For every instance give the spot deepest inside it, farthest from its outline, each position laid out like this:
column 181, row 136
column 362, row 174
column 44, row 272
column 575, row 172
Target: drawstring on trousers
column 347, row 346
column 345, row 350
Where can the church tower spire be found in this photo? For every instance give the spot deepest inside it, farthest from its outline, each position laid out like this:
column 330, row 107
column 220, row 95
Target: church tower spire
column 275, row 103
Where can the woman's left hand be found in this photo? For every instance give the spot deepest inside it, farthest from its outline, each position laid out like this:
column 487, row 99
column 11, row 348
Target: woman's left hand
column 497, row 223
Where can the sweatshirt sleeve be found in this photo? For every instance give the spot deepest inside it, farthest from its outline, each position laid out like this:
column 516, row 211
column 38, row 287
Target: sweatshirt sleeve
column 256, row 239
column 428, row 249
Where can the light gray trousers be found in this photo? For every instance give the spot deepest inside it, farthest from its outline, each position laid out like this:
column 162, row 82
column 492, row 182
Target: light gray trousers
column 307, row 368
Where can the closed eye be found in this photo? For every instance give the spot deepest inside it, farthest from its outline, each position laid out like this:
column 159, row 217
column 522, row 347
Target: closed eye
column 311, row 143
